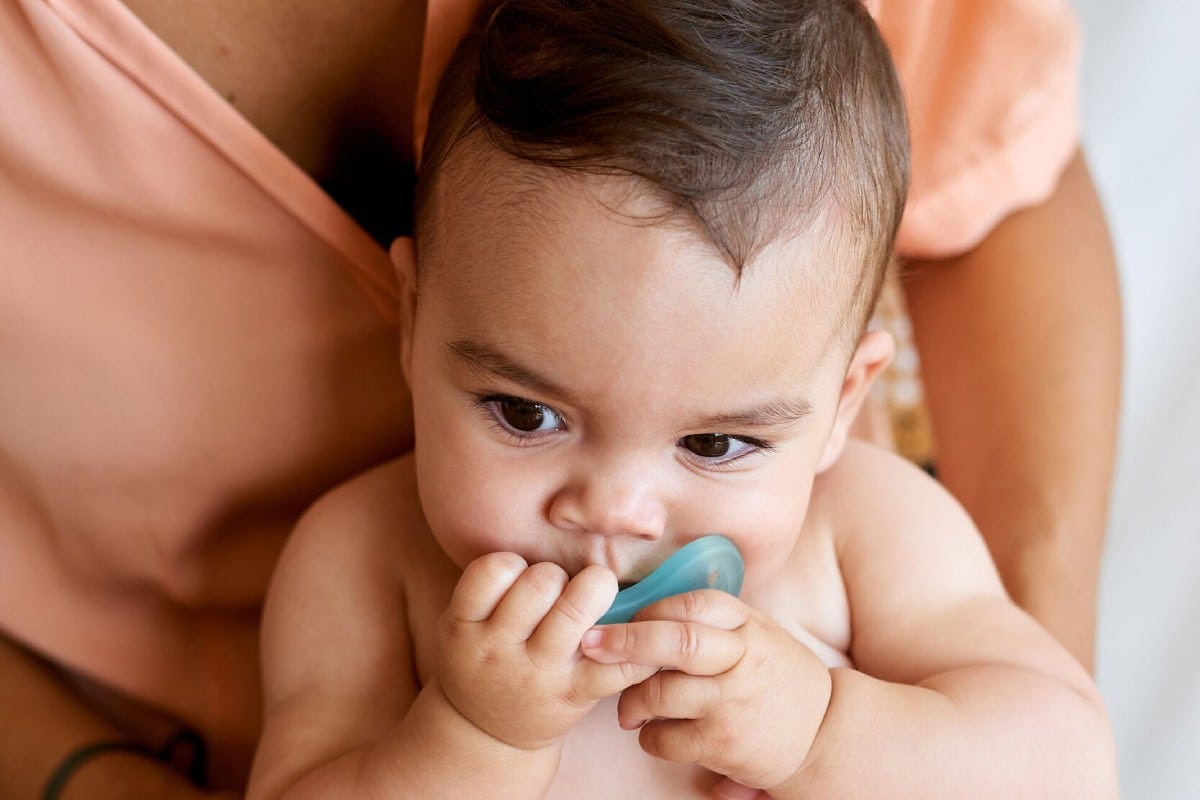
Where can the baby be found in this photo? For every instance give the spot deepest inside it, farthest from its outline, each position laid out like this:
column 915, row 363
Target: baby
column 649, row 236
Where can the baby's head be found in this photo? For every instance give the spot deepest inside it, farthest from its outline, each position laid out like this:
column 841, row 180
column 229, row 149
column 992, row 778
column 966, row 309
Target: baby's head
column 748, row 120
column 649, row 236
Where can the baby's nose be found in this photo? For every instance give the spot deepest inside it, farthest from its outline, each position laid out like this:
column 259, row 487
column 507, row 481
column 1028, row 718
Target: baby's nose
column 612, row 503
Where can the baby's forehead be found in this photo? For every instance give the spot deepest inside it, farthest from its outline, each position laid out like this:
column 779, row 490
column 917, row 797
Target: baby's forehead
column 605, row 246
column 490, row 196
column 620, row 313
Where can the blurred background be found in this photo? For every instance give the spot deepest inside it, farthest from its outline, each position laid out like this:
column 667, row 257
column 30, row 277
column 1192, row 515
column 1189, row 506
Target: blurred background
column 1141, row 125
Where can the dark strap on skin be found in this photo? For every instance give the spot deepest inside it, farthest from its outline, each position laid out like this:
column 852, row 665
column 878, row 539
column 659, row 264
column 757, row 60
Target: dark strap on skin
column 185, row 751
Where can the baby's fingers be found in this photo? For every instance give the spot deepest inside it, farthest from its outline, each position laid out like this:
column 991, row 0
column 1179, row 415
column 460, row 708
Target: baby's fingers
column 668, row 695
column 579, row 605
column 687, row 646
column 595, row 681
column 529, row 599
column 483, row 585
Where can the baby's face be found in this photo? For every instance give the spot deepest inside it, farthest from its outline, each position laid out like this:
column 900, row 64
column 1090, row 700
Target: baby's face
column 593, row 389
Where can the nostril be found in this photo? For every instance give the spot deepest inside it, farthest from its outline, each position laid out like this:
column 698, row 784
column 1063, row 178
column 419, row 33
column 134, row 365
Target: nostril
column 599, row 504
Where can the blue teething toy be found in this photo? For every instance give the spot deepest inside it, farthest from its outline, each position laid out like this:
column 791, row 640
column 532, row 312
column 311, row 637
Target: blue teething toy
column 710, row 562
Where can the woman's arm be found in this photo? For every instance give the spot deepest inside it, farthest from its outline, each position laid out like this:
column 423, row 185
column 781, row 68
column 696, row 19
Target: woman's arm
column 44, row 721
column 1020, row 344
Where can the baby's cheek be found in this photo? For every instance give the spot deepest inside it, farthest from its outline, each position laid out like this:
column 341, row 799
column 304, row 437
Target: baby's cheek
column 469, row 530
column 761, row 562
column 768, row 541
column 482, row 521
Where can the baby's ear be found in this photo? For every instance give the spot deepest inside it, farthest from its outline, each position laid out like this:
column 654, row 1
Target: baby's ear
column 404, row 261
column 871, row 357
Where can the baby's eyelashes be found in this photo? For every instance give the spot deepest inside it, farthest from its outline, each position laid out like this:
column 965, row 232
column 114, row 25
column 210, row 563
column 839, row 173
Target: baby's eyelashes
column 717, row 449
column 521, row 418
column 526, row 422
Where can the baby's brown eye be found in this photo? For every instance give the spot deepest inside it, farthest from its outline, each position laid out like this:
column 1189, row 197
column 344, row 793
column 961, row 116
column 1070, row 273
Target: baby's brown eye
column 707, row 445
column 522, row 414
column 521, row 418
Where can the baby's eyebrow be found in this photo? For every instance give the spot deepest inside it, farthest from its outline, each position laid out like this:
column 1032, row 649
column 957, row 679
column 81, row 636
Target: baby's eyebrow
column 779, row 412
column 483, row 359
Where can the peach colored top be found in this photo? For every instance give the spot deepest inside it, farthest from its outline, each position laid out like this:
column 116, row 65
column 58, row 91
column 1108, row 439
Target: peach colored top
column 992, row 93
column 195, row 339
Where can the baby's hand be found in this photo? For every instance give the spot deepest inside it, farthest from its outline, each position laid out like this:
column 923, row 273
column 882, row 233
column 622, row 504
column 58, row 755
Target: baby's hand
column 744, row 698
column 508, row 649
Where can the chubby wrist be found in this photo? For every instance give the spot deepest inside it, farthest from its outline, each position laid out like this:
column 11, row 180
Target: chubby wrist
column 795, row 785
column 435, row 731
column 441, row 711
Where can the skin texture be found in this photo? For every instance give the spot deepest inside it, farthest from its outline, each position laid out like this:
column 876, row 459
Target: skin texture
column 483, row 560
column 332, row 85
column 1020, row 344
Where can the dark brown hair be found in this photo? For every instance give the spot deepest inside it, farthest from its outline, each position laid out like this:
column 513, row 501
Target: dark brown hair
column 749, row 116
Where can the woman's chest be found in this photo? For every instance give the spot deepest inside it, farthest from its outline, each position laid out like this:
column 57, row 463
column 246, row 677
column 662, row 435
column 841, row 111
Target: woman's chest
column 323, row 81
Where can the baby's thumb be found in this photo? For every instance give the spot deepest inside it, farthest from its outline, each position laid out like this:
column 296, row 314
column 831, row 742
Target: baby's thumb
column 729, row 789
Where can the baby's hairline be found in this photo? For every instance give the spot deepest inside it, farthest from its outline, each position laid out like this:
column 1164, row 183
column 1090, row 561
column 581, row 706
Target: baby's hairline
column 480, row 161
column 474, row 154
column 471, row 172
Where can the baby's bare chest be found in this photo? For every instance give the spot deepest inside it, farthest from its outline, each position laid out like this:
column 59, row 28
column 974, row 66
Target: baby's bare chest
column 601, row 761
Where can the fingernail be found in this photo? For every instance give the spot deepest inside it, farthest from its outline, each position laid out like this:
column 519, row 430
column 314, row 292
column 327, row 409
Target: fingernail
column 592, row 638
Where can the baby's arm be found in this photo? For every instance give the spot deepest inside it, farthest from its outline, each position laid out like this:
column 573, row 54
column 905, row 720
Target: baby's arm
column 957, row 693
column 345, row 715
column 338, row 664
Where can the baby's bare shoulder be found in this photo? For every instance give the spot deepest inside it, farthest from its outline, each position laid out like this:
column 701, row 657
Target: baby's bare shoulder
column 870, row 489
column 897, row 532
column 367, row 512
column 358, row 541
